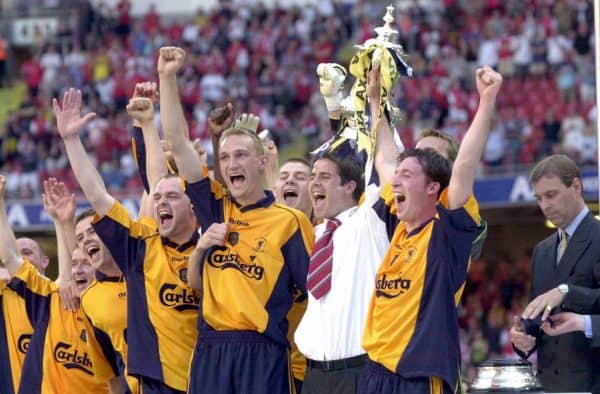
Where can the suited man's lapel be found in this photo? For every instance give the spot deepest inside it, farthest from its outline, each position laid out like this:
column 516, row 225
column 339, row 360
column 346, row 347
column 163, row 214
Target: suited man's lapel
column 577, row 245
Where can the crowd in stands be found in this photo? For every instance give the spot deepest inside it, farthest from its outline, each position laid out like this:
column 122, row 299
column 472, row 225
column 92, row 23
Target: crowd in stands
column 264, row 60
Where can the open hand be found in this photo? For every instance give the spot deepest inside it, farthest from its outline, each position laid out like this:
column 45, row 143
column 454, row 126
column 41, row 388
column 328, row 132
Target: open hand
column 58, row 202
column 69, row 295
column 68, row 117
column 543, row 304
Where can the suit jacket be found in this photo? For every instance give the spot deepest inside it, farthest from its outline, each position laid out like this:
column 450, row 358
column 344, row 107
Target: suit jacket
column 569, row 362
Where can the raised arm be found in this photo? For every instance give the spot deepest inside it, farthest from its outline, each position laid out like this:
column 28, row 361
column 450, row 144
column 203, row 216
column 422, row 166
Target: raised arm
column 70, row 123
column 219, row 120
column 471, row 148
column 9, row 253
column 173, row 122
column 386, row 150
column 60, row 204
column 141, row 110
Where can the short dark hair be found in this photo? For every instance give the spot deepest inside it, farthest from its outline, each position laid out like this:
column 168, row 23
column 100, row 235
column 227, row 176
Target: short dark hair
column 349, row 169
column 435, row 166
column 297, row 160
column 85, row 214
column 560, row 166
column 452, row 150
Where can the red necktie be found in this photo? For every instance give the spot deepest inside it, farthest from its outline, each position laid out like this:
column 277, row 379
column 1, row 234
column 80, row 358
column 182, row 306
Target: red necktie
column 319, row 270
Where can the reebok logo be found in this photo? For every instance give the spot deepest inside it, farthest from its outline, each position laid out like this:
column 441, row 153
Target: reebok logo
column 173, row 296
column 391, row 288
column 70, row 359
column 23, row 343
column 231, row 260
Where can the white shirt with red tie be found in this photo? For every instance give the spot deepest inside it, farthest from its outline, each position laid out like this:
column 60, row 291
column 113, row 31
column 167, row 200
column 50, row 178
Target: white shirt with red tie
column 332, row 326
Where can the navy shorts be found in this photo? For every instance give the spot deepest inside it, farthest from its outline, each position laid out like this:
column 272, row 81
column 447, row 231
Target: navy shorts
column 239, row 362
column 153, row 386
column 376, row 379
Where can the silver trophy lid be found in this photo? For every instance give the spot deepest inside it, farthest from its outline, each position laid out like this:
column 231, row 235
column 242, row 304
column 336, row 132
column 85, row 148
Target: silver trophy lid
column 386, row 34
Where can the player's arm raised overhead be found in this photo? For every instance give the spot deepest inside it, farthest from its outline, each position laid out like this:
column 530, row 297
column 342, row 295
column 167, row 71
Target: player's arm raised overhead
column 9, row 253
column 173, row 122
column 70, row 123
column 471, row 148
column 386, row 150
column 60, row 204
column 141, row 109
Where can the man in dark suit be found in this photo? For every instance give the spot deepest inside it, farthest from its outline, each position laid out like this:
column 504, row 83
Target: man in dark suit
column 565, row 277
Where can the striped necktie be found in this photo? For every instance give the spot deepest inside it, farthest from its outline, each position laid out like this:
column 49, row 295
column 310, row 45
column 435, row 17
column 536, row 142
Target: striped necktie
column 562, row 245
column 319, row 269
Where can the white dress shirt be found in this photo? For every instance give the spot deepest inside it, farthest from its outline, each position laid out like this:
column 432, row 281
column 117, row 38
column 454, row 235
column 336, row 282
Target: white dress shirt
column 332, row 327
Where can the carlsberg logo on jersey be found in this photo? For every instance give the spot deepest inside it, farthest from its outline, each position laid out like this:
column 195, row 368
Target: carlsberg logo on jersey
column 223, row 260
column 391, row 288
column 180, row 299
column 72, row 359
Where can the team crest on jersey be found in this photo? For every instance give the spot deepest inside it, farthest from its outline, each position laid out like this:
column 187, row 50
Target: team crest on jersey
column 260, row 245
column 183, row 275
column 72, row 359
column 23, row 343
column 224, row 260
column 233, row 238
column 410, row 254
column 391, row 288
column 180, row 299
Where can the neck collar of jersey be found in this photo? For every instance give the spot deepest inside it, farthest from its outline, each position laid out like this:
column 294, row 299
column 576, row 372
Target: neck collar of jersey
column 262, row 203
column 421, row 227
column 102, row 277
column 181, row 248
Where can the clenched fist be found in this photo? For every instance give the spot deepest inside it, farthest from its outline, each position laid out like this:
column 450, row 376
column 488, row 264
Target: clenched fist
column 170, row 60
column 141, row 109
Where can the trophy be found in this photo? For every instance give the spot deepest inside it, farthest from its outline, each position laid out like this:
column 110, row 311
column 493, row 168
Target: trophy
column 352, row 135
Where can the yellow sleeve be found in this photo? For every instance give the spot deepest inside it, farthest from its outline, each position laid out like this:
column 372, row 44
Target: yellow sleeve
column 471, row 206
column 34, row 281
column 99, row 348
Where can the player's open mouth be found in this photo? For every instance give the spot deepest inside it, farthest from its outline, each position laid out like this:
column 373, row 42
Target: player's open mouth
column 237, row 180
column 318, row 199
column 92, row 250
column 165, row 217
column 289, row 195
column 81, row 283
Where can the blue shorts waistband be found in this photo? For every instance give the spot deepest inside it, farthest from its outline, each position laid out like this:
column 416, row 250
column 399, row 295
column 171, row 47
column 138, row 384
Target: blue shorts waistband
column 233, row 336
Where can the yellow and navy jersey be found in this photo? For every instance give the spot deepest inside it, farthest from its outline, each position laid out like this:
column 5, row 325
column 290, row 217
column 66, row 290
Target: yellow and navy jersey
column 57, row 356
column 161, row 308
column 104, row 303
column 412, row 324
column 249, row 283
column 385, row 207
column 15, row 333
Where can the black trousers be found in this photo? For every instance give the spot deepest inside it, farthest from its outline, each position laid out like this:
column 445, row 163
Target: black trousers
column 341, row 377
